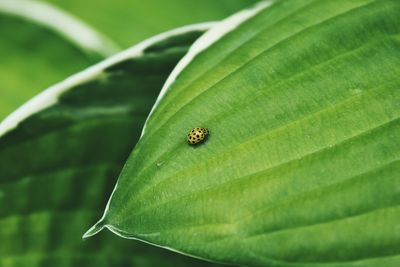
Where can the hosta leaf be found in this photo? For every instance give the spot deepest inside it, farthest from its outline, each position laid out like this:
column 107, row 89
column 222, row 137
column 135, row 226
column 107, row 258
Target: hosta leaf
column 301, row 167
column 57, row 167
column 35, row 38
column 129, row 21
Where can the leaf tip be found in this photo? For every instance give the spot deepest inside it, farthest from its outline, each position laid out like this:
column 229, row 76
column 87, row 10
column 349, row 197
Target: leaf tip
column 94, row 230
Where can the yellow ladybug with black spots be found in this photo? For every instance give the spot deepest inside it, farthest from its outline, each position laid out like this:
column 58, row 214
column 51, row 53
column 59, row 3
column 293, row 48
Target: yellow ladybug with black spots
column 197, row 135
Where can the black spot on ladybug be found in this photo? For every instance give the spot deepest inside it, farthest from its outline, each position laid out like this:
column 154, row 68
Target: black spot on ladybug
column 197, row 135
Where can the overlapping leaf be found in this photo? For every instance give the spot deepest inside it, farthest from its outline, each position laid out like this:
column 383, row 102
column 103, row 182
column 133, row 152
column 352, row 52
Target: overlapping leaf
column 302, row 164
column 31, row 57
column 58, row 167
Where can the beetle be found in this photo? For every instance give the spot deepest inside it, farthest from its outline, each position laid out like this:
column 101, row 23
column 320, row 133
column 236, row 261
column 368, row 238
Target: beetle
column 197, row 135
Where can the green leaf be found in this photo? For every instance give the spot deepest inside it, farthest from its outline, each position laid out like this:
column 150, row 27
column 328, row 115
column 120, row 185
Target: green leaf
column 57, row 167
column 37, row 50
column 301, row 167
column 130, row 21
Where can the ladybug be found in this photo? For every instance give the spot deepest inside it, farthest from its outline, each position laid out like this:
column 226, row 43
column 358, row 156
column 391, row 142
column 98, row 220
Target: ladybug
column 197, row 135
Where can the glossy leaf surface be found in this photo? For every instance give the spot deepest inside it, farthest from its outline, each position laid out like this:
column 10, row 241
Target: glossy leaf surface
column 301, row 167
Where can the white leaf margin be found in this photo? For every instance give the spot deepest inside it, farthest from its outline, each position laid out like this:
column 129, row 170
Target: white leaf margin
column 50, row 96
column 62, row 23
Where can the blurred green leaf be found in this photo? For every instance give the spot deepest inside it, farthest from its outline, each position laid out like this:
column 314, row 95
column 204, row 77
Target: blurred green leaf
column 58, row 167
column 130, row 21
column 301, row 167
column 32, row 58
